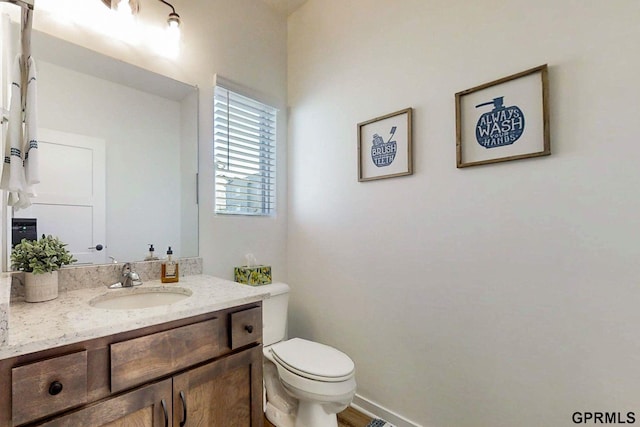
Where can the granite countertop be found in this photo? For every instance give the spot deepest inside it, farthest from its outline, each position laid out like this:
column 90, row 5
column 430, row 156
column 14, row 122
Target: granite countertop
column 69, row 318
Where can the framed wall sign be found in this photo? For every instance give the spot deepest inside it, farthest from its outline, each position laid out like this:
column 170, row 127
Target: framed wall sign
column 503, row 120
column 384, row 146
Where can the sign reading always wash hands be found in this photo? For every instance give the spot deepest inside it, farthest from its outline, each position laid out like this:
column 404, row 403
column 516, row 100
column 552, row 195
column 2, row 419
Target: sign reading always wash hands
column 506, row 119
column 501, row 126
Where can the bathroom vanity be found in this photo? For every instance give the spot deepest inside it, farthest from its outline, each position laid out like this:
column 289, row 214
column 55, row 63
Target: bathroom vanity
column 197, row 362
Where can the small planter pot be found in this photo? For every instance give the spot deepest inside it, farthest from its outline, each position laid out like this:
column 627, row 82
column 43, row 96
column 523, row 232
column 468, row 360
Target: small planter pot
column 41, row 287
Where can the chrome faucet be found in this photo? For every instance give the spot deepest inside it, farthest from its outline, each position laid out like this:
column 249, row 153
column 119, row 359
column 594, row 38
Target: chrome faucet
column 128, row 278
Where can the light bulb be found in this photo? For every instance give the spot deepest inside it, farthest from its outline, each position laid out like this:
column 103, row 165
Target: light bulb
column 173, row 20
column 171, row 45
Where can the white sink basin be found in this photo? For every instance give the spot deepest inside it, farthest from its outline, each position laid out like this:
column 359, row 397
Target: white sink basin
column 135, row 298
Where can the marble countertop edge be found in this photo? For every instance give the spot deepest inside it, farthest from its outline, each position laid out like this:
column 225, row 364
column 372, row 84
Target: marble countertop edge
column 70, row 318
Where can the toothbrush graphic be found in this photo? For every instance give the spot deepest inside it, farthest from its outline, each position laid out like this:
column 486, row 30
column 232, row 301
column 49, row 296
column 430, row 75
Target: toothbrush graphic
column 393, row 131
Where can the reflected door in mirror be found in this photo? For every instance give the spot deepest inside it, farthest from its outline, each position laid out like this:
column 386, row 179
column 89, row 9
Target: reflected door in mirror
column 71, row 196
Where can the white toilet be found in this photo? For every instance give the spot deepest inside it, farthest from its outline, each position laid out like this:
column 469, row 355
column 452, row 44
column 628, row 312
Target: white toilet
column 306, row 383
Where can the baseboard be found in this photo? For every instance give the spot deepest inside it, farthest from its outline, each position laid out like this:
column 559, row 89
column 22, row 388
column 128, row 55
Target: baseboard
column 375, row 410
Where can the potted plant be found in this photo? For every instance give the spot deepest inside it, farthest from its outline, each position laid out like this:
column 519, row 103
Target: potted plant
column 40, row 260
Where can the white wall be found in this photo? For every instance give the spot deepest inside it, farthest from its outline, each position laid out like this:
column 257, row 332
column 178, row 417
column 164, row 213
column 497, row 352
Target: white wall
column 498, row 295
column 244, row 41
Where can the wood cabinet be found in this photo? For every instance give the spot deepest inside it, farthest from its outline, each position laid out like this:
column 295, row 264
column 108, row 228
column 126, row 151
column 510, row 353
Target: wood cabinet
column 220, row 393
column 147, row 406
column 203, row 371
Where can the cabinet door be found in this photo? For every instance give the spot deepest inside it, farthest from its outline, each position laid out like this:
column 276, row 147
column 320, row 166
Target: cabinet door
column 223, row 393
column 148, row 406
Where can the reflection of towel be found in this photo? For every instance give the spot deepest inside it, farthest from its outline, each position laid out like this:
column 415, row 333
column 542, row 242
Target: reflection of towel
column 21, row 160
column 30, row 145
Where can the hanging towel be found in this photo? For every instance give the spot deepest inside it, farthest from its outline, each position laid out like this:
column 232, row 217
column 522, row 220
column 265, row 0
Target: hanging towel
column 21, row 160
column 13, row 168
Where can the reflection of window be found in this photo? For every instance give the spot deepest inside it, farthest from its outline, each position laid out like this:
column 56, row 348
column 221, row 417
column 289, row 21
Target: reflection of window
column 244, row 143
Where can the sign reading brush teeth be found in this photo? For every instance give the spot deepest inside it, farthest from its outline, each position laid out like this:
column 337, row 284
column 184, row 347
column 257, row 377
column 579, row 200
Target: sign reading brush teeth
column 383, row 153
column 384, row 146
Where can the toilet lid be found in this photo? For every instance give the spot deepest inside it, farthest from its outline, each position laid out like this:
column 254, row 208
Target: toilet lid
column 313, row 360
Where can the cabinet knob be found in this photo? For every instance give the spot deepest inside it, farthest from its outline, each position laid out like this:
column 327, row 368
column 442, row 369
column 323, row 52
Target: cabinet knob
column 249, row 328
column 55, row 388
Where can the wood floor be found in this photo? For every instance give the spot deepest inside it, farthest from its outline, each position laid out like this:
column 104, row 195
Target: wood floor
column 347, row 418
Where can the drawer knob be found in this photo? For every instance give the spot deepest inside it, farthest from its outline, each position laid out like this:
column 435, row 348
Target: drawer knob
column 55, row 388
column 249, row 328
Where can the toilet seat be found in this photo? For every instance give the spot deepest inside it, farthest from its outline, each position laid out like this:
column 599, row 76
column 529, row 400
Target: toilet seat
column 313, row 360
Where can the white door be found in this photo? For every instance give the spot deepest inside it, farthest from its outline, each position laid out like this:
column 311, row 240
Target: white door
column 70, row 201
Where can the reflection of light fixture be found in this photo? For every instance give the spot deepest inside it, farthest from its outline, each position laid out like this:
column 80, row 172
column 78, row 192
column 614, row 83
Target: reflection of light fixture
column 134, row 5
column 174, row 18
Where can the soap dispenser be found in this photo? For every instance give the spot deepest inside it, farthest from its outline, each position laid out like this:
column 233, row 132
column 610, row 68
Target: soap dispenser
column 151, row 256
column 169, row 272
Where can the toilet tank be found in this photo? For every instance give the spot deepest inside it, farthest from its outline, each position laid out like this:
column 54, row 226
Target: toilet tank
column 274, row 313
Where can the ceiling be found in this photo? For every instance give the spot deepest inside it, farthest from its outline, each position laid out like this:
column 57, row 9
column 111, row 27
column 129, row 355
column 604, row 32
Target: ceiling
column 286, row 7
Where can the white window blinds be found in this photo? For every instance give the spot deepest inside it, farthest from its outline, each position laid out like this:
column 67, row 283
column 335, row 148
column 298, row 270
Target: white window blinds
column 244, row 148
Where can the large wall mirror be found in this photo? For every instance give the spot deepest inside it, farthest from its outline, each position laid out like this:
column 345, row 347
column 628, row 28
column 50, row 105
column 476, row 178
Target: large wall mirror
column 118, row 150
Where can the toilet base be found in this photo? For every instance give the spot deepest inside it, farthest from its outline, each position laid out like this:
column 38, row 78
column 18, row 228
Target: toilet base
column 314, row 415
column 278, row 417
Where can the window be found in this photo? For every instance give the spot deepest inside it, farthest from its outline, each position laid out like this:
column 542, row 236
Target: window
column 244, row 142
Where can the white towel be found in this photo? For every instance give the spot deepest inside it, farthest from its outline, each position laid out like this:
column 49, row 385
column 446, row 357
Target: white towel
column 13, row 168
column 21, row 160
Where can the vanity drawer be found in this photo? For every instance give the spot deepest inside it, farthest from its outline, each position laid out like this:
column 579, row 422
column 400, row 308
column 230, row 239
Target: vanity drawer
column 49, row 386
column 245, row 327
column 143, row 359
